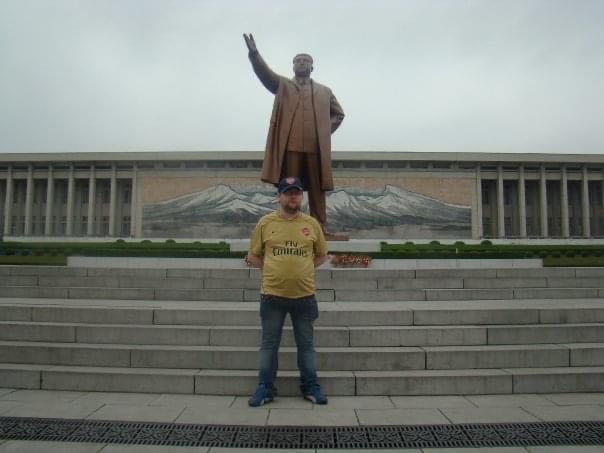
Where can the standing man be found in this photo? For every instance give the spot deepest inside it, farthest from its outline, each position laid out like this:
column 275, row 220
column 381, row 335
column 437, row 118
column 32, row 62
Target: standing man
column 287, row 245
column 305, row 114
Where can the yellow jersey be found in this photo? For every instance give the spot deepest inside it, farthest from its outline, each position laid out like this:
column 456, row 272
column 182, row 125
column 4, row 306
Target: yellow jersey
column 288, row 248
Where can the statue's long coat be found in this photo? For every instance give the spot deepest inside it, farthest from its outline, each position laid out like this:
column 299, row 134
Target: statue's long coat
column 328, row 116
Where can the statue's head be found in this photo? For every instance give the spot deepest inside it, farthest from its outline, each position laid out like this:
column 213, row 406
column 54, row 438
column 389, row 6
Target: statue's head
column 302, row 65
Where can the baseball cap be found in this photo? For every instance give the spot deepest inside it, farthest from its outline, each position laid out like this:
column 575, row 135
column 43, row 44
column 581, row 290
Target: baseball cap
column 289, row 183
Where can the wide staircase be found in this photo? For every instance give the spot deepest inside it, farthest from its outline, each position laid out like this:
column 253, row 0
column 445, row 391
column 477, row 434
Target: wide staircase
column 380, row 332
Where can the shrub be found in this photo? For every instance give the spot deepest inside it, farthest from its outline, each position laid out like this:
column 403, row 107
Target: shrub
column 486, row 242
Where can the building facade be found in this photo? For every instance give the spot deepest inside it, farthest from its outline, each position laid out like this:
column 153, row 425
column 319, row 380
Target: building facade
column 377, row 195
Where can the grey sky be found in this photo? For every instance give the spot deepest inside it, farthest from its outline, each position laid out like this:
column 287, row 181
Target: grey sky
column 411, row 75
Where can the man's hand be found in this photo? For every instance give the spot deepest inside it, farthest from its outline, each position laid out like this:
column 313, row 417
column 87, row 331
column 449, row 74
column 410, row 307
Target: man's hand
column 253, row 260
column 250, row 43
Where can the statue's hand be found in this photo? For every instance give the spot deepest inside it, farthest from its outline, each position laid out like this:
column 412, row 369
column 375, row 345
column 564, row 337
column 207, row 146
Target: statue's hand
column 249, row 41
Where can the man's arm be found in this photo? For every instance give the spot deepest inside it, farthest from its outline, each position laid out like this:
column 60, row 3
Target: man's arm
column 254, row 261
column 318, row 260
column 268, row 78
column 336, row 113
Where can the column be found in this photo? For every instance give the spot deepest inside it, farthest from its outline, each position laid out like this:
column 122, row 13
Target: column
column 91, row 199
column 8, row 202
column 564, row 203
column 522, row 202
column 112, row 200
column 543, row 201
column 70, row 197
column 133, row 200
column 585, row 203
column 50, row 195
column 29, row 200
column 500, row 205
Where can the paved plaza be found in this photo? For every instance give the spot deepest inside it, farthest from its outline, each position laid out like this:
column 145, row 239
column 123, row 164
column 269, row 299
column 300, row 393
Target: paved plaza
column 292, row 411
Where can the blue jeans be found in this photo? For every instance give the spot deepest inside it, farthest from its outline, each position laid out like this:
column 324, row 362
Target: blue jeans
column 303, row 312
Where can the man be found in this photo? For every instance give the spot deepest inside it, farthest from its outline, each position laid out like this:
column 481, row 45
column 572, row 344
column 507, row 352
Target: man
column 287, row 245
column 305, row 114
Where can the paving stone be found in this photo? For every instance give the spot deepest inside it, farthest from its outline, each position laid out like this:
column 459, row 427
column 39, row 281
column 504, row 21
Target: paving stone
column 243, row 382
column 468, row 294
column 93, row 315
column 555, row 272
column 63, row 354
column 379, row 296
column 18, row 281
column 79, row 281
column 294, row 417
column 420, row 283
column 555, row 293
column 495, row 283
column 575, row 282
column 230, row 273
column 589, row 272
column 567, row 413
column 111, row 293
column 34, row 446
column 52, row 271
column 566, row 449
column 55, row 410
column 556, row 380
column 456, row 273
column 356, row 402
column 153, row 449
column 562, row 333
column 488, row 415
column 119, row 398
column 465, row 316
column 6, row 406
column 199, row 294
column 433, row 382
column 468, row 357
column 417, row 336
column 571, row 315
column 15, row 313
column 198, row 274
column 405, row 416
column 161, row 283
column 476, row 450
column 360, row 285
column 368, row 274
column 430, row 402
column 508, row 400
column 249, row 416
column 575, row 399
column 586, row 354
column 44, row 396
column 160, row 335
column 92, row 379
column 36, row 332
column 20, row 376
column 135, row 413
column 128, row 272
column 280, row 402
column 240, row 283
column 216, row 401
column 251, row 335
column 33, row 291
column 204, row 317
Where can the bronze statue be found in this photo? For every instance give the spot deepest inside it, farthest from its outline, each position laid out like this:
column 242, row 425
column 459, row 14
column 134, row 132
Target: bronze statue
column 305, row 114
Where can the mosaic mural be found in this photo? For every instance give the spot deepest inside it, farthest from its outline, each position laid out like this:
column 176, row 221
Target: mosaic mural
column 231, row 211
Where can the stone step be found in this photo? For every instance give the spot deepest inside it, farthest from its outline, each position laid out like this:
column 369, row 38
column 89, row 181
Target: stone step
column 360, row 383
column 327, row 358
column 365, row 336
column 395, row 314
column 323, row 295
column 207, row 357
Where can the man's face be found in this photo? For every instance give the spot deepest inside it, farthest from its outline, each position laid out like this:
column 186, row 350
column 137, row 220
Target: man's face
column 302, row 65
column 291, row 201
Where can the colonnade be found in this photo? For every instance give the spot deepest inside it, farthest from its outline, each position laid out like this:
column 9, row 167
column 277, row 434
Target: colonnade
column 502, row 202
column 69, row 202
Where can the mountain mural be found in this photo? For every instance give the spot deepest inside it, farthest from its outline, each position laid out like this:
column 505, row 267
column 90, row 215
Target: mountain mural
column 234, row 211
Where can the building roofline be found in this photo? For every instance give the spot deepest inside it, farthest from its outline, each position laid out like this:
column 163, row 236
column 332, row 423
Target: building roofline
column 336, row 155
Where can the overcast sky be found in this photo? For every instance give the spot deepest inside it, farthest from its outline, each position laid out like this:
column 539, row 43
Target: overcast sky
column 411, row 75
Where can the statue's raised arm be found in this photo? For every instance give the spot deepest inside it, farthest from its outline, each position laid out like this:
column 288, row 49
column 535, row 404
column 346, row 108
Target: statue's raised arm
column 268, row 78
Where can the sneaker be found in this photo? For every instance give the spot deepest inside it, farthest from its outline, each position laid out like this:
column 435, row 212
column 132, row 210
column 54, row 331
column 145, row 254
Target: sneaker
column 262, row 396
column 315, row 396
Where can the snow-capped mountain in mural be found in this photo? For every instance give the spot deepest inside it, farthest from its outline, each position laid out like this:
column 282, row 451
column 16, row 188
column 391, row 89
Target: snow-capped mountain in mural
column 348, row 209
